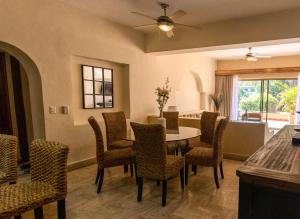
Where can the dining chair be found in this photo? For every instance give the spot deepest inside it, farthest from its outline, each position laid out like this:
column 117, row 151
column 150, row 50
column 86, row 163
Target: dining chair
column 208, row 156
column 8, row 159
column 110, row 158
column 116, row 129
column 48, row 183
column 172, row 119
column 152, row 160
column 207, row 125
column 172, row 123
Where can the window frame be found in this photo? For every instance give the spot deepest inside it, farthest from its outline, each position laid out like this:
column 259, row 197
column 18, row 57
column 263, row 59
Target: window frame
column 94, row 95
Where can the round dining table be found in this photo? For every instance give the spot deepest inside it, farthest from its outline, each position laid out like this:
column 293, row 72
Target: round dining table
column 172, row 135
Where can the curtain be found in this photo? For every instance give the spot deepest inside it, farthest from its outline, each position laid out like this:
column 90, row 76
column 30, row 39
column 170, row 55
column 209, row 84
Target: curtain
column 224, row 86
column 227, row 86
column 234, row 98
column 297, row 117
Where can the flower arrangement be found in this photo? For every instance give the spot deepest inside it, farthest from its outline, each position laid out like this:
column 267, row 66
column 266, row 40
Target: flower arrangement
column 217, row 99
column 163, row 94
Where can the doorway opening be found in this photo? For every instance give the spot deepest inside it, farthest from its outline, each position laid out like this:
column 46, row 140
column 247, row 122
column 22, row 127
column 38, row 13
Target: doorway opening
column 21, row 102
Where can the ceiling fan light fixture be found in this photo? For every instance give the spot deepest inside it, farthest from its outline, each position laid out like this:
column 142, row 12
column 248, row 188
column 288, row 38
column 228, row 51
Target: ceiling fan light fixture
column 251, row 58
column 165, row 26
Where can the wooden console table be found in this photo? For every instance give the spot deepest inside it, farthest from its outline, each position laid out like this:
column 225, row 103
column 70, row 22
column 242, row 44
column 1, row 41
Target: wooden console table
column 269, row 184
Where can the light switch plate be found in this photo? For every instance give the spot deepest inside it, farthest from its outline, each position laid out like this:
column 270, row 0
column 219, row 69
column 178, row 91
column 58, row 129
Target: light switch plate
column 52, row 109
column 65, row 109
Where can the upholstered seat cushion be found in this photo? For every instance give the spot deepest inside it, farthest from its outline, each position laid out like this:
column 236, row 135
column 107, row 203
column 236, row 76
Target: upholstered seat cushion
column 196, row 142
column 174, row 164
column 118, row 157
column 21, row 197
column 200, row 156
column 120, row 144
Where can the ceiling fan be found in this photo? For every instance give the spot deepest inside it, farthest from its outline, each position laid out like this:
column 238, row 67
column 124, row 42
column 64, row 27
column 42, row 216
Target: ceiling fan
column 252, row 57
column 164, row 22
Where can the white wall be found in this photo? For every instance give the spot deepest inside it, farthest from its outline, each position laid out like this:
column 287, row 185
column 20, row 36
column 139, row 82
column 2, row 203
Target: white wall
column 51, row 33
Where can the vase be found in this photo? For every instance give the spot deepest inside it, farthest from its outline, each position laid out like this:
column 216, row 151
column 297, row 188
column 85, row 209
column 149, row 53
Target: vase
column 162, row 121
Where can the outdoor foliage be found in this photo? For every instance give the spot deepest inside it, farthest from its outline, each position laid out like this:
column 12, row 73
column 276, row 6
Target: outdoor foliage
column 287, row 102
column 282, row 95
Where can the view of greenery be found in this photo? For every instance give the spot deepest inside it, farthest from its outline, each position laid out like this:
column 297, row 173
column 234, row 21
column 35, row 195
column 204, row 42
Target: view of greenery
column 281, row 95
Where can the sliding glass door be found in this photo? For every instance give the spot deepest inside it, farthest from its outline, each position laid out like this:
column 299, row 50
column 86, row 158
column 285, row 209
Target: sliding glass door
column 271, row 101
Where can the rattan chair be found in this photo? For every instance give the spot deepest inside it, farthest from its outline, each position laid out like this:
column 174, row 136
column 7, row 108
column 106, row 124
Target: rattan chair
column 8, row 159
column 172, row 123
column 111, row 158
column 116, row 130
column 208, row 156
column 48, row 182
column 152, row 159
column 207, row 124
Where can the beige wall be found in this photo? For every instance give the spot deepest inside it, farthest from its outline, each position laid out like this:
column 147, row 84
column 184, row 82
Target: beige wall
column 53, row 34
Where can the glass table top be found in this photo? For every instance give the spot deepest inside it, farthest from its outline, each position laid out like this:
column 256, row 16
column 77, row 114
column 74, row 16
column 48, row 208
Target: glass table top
column 183, row 133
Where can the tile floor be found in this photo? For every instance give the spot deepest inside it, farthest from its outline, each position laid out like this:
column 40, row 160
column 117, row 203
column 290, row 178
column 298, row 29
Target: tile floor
column 200, row 199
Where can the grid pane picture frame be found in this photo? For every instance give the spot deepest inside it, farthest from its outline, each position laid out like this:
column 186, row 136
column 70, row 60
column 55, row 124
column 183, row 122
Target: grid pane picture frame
column 97, row 87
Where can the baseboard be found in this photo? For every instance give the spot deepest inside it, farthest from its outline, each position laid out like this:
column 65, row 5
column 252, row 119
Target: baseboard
column 238, row 157
column 82, row 163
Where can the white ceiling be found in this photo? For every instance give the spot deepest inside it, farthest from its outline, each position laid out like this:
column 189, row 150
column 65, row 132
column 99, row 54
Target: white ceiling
column 199, row 12
column 239, row 53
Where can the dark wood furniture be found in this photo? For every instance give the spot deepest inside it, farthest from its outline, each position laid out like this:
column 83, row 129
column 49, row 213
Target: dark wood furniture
column 270, row 180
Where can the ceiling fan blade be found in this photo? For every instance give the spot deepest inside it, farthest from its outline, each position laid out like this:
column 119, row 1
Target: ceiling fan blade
column 262, row 56
column 144, row 15
column 189, row 26
column 170, row 34
column 178, row 14
column 145, row 25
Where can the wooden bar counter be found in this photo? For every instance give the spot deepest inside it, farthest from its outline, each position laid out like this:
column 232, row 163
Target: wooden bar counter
column 269, row 184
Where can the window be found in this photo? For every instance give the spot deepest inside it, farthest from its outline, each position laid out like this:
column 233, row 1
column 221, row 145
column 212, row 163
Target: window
column 269, row 100
column 97, row 84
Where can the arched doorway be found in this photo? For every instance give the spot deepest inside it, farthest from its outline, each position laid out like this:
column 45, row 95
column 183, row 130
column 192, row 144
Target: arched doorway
column 21, row 99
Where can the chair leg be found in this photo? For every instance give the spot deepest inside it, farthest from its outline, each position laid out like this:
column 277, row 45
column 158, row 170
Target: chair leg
column 61, row 209
column 135, row 172
column 100, row 180
column 186, row 174
column 38, row 213
column 182, row 178
column 176, row 151
column 194, row 168
column 131, row 169
column 18, row 217
column 157, row 182
column 164, row 193
column 216, row 177
column 221, row 170
column 125, row 168
column 98, row 175
column 140, row 189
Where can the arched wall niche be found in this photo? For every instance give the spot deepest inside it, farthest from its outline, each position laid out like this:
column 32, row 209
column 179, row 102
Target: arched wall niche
column 191, row 92
column 35, row 87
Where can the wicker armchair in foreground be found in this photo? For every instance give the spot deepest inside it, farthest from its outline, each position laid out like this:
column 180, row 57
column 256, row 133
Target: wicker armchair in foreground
column 152, row 159
column 207, row 156
column 8, row 159
column 48, row 182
